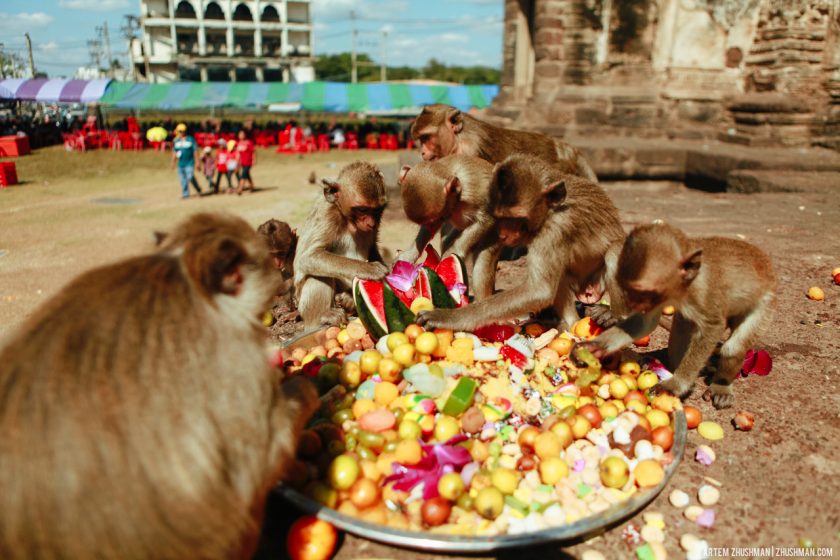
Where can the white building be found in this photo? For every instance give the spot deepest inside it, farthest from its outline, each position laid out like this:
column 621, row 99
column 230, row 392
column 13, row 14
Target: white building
column 224, row 40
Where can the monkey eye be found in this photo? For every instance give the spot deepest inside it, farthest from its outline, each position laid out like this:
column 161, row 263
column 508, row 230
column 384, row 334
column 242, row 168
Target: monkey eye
column 373, row 212
column 424, row 138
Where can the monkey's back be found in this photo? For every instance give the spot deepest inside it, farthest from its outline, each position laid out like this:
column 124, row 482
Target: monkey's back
column 742, row 272
column 122, row 434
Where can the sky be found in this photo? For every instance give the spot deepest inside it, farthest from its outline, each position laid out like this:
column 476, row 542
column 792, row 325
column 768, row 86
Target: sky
column 464, row 32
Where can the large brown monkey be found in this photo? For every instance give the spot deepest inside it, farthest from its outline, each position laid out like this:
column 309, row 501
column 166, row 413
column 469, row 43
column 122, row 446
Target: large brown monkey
column 715, row 283
column 282, row 241
column 568, row 224
column 338, row 242
column 139, row 417
column 453, row 190
column 442, row 130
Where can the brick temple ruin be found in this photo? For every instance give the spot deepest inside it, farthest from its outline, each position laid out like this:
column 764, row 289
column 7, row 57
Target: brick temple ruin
column 753, row 72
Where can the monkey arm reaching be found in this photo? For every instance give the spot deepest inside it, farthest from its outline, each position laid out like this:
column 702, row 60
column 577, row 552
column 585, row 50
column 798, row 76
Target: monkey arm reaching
column 620, row 336
column 465, row 244
column 424, row 236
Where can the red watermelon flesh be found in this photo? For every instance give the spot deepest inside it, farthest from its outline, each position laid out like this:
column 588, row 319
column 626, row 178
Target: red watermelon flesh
column 370, row 306
column 453, row 271
column 422, row 287
column 405, row 297
column 432, row 257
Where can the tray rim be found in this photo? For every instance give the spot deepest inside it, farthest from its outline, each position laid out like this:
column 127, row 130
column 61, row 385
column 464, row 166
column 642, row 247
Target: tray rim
column 439, row 542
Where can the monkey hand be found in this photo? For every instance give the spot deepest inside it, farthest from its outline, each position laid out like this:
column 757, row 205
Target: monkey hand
column 722, row 396
column 345, row 301
column 677, row 386
column 592, row 346
column 334, row 317
column 372, row 271
column 602, row 315
column 439, row 319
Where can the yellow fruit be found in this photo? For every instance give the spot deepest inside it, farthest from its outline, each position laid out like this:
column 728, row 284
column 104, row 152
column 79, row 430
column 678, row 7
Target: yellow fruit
column 835, row 271
column 268, row 319
column 669, row 310
column 463, row 344
column 816, row 294
column 657, row 418
column 564, row 433
column 384, row 462
column 580, row 426
column 350, row 375
column 450, row 486
column 342, row 337
column 426, row 343
column 648, row 473
column 631, row 368
column 362, row 407
column 409, row 429
column 505, row 480
column 710, row 430
column 553, row 470
column 408, row 452
column 607, row 410
column 412, row 331
column 369, row 361
column 404, row 354
column 489, row 502
column 547, row 445
column 614, row 472
column 636, row 406
column 396, row 339
column 385, row 392
column 421, row 304
column 618, row 388
column 389, row 370
column 561, row 345
column 629, row 380
column 446, row 428
column 308, row 358
column 646, row 380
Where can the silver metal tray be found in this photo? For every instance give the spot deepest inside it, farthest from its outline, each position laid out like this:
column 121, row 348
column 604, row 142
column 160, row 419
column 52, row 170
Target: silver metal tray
column 588, row 526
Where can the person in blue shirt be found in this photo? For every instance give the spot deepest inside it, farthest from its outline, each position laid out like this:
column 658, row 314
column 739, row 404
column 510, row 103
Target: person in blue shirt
column 184, row 148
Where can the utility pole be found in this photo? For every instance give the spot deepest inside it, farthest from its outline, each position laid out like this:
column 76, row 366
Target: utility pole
column 383, row 69
column 31, row 59
column 2, row 63
column 107, row 38
column 128, row 33
column 353, row 75
column 95, row 51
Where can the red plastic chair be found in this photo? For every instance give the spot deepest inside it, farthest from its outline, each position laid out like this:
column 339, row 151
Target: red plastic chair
column 323, row 143
column 351, row 142
column 371, row 143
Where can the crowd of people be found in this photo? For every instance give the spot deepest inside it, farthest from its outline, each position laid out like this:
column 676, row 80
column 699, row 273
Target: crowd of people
column 233, row 159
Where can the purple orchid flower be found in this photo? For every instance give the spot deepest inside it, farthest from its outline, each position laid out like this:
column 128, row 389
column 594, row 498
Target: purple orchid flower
column 438, row 460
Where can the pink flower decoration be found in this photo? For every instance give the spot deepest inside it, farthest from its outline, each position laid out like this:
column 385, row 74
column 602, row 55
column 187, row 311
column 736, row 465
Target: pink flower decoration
column 703, row 458
column 706, row 519
column 580, row 464
column 756, row 362
column 403, row 275
column 437, row 460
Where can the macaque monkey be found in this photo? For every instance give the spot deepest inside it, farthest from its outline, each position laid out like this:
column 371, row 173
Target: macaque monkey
column 442, row 130
column 338, row 242
column 450, row 190
column 715, row 283
column 568, row 225
column 281, row 240
column 143, row 419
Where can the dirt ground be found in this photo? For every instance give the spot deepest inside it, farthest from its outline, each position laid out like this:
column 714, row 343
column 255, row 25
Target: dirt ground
column 778, row 482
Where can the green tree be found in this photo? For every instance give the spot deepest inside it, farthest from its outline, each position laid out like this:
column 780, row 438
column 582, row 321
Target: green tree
column 11, row 66
column 337, row 67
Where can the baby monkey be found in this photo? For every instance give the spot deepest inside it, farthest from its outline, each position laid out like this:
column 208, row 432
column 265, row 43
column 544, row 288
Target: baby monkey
column 281, row 240
column 715, row 283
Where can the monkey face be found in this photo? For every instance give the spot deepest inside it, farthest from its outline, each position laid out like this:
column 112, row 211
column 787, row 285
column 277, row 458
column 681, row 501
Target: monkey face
column 365, row 218
column 436, row 131
column 513, row 232
column 643, row 301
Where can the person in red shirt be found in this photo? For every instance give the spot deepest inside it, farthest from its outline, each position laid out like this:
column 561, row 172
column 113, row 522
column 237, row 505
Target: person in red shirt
column 224, row 158
column 247, row 156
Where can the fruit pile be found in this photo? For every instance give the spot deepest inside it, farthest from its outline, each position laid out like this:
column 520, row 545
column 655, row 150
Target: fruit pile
column 481, row 433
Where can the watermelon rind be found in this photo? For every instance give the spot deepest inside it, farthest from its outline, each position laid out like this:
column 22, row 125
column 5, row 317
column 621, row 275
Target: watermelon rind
column 439, row 293
column 397, row 315
column 375, row 321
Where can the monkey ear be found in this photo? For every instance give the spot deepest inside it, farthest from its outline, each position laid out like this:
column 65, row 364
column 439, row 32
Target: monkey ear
column 452, row 185
column 555, row 192
column 455, row 120
column 331, row 189
column 403, row 172
column 690, row 266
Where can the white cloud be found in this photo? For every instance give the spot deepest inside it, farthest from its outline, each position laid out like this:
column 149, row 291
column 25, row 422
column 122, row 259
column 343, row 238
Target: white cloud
column 47, row 47
column 20, row 23
column 95, row 5
column 449, row 38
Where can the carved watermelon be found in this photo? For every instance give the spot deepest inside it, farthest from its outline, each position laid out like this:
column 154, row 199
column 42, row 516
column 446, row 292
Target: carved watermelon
column 432, row 257
column 429, row 285
column 452, row 272
column 379, row 308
